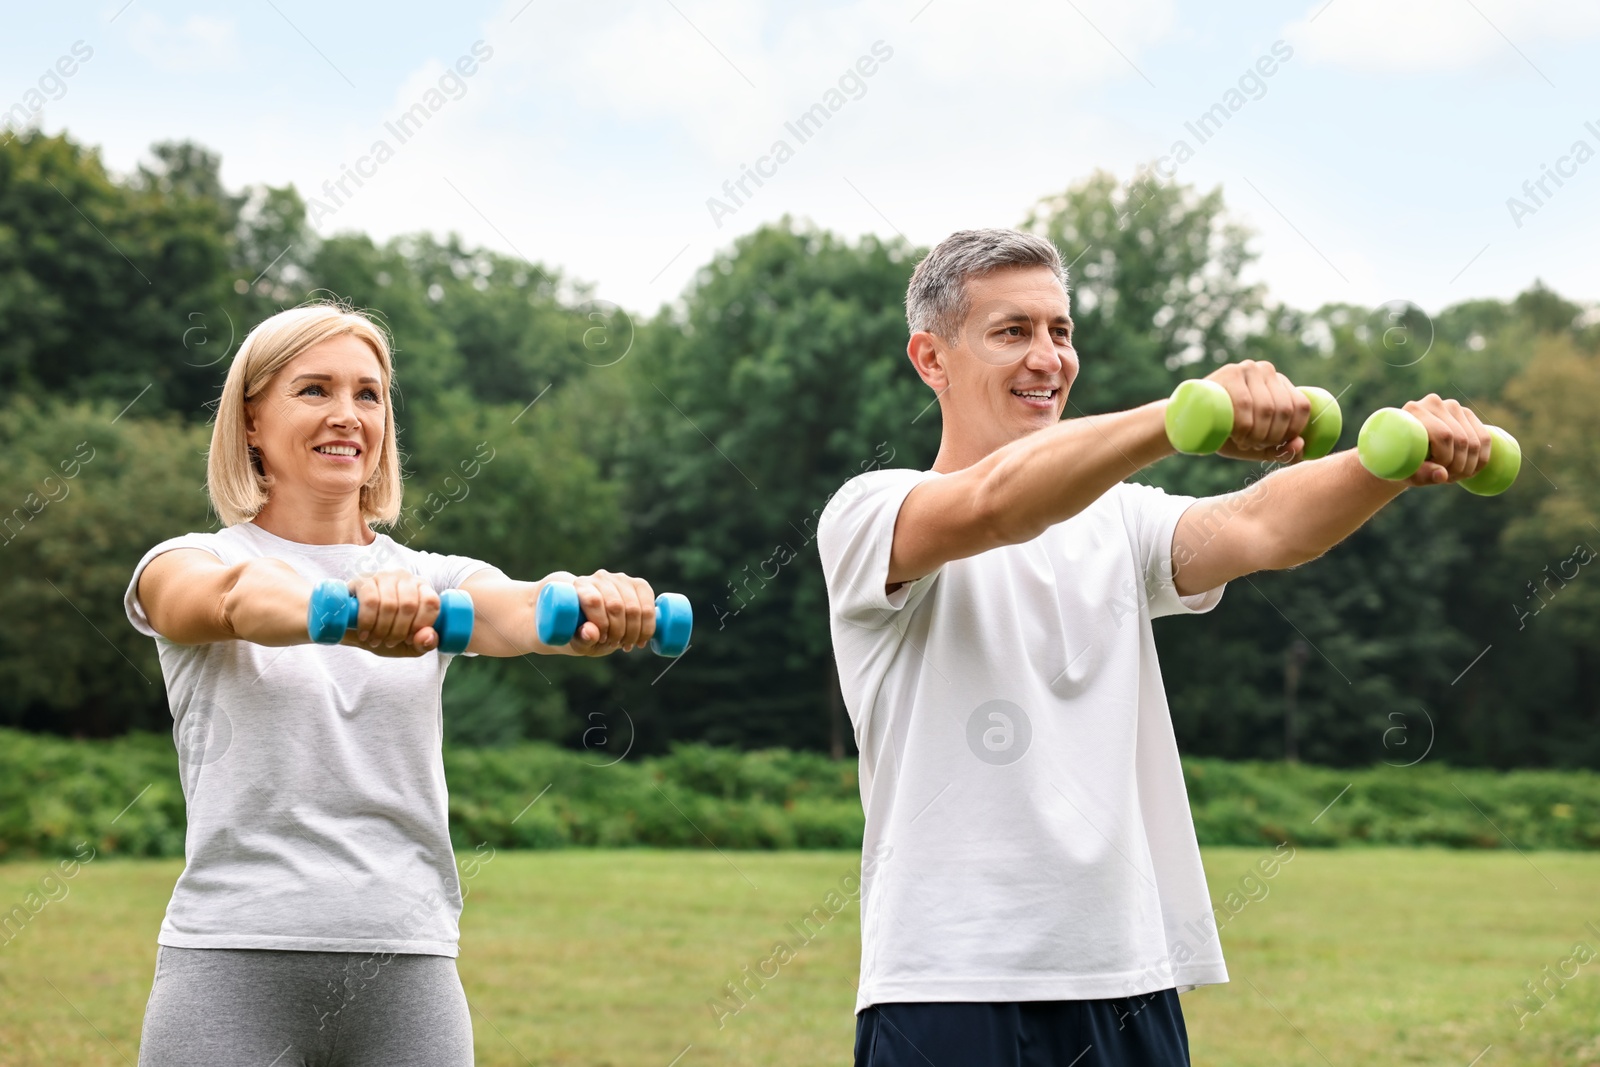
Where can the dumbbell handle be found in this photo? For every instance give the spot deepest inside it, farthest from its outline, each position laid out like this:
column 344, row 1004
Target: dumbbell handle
column 558, row 615
column 334, row 611
column 1394, row 444
column 1199, row 419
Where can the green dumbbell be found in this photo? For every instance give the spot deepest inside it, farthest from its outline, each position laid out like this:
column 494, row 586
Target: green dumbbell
column 1200, row 419
column 1394, row 443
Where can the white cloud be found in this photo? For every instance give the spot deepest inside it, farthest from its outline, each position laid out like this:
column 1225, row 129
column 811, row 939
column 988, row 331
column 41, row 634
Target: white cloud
column 1036, row 42
column 1414, row 35
column 726, row 74
column 199, row 43
column 593, row 139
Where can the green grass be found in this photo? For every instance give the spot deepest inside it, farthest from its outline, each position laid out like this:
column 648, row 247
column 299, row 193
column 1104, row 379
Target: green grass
column 593, row 957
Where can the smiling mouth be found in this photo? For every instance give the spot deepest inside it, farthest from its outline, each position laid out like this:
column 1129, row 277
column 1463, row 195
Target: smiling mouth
column 338, row 451
column 1036, row 397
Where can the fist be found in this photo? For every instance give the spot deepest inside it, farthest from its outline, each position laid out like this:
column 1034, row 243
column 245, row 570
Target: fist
column 1269, row 413
column 1458, row 441
column 396, row 614
column 619, row 613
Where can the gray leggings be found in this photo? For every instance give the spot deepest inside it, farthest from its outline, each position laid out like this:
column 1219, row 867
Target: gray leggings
column 258, row 1008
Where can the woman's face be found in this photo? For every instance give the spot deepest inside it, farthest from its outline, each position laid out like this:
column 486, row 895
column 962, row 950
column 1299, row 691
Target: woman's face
column 322, row 406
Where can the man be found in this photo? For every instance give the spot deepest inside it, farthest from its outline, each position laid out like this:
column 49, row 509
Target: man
column 1038, row 896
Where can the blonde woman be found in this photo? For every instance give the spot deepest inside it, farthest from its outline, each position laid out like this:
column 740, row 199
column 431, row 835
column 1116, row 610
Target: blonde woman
column 315, row 921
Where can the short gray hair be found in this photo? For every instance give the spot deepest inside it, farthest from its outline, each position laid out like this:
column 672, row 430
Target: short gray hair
column 936, row 299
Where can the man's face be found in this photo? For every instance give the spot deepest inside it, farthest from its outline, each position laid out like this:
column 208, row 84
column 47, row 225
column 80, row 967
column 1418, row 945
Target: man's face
column 1011, row 368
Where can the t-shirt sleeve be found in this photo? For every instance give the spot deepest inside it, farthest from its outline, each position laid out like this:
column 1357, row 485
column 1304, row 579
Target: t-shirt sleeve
column 448, row 572
column 854, row 539
column 130, row 600
column 1152, row 515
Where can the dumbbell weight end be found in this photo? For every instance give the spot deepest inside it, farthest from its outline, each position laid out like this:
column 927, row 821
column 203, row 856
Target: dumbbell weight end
column 1394, row 444
column 1200, row 419
column 557, row 617
column 334, row 611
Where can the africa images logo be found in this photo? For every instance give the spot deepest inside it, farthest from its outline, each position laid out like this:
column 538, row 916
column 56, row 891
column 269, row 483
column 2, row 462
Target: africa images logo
column 998, row 732
column 204, row 735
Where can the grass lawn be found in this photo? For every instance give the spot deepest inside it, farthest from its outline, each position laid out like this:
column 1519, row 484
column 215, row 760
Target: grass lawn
column 1358, row 957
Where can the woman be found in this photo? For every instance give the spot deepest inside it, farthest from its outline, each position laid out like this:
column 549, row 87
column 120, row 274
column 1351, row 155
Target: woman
column 316, row 919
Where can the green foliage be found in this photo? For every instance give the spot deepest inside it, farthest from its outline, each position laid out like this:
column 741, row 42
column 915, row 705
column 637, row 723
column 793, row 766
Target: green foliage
column 545, row 430
column 124, row 798
column 784, row 375
column 1552, row 403
column 477, row 338
column 97, row 277
column 1390, row 620
column 1156, row 286
column 698, row 798
column 483, row 708
column 86, row 495
column 1427, row 804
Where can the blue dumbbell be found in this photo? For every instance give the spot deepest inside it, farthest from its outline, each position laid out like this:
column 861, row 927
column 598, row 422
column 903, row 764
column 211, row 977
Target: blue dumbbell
column 559, row 616
column 334, row 611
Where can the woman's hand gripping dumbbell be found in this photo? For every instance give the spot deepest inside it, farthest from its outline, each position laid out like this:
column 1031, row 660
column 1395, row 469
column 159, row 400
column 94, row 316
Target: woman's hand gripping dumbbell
column 560, row 617
column 1249, row 410
column 1432, row 441
column 404, row 617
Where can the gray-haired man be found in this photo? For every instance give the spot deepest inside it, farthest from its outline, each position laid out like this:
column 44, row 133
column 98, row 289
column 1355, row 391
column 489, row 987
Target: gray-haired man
column 991, row 622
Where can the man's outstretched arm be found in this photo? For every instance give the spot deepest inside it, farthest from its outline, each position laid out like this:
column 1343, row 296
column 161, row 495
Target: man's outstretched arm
column 1016, row 492
column 1297, row 513
column 1020, row 490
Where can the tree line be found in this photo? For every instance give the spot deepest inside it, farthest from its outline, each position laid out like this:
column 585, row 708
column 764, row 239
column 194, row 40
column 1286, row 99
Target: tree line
column 544, row 428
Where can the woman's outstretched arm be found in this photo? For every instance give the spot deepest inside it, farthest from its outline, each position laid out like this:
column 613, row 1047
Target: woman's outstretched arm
column 193, row 598
column 620, row 611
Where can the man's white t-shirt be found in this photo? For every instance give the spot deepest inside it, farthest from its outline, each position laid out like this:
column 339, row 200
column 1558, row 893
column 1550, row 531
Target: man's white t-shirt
column 313, row 775
column 1025, row 806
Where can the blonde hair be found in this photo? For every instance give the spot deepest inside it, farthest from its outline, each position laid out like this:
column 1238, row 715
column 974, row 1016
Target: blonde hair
column 234, row 478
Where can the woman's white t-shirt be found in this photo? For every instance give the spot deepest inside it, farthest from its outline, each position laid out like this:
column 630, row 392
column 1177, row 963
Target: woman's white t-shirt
column 313, row 774
column 1026, row 813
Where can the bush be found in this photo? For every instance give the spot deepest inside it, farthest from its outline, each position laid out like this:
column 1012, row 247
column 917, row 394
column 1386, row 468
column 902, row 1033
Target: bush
column 1428, row 804
column 124, row 798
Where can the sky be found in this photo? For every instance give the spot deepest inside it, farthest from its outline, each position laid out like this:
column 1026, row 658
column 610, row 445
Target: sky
column 1378, row 149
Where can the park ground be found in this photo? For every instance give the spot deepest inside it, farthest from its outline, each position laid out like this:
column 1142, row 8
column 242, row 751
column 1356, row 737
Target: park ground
column 597, row 957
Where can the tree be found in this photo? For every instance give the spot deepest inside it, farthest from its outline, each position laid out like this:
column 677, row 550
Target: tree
column 541, row 429
column 1156, row 285
column 89, row 493
column 1551, row 406
column 784, row 376
column 96, row 276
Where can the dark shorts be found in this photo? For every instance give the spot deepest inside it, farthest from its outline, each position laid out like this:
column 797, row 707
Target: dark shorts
column 1139, row 1031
